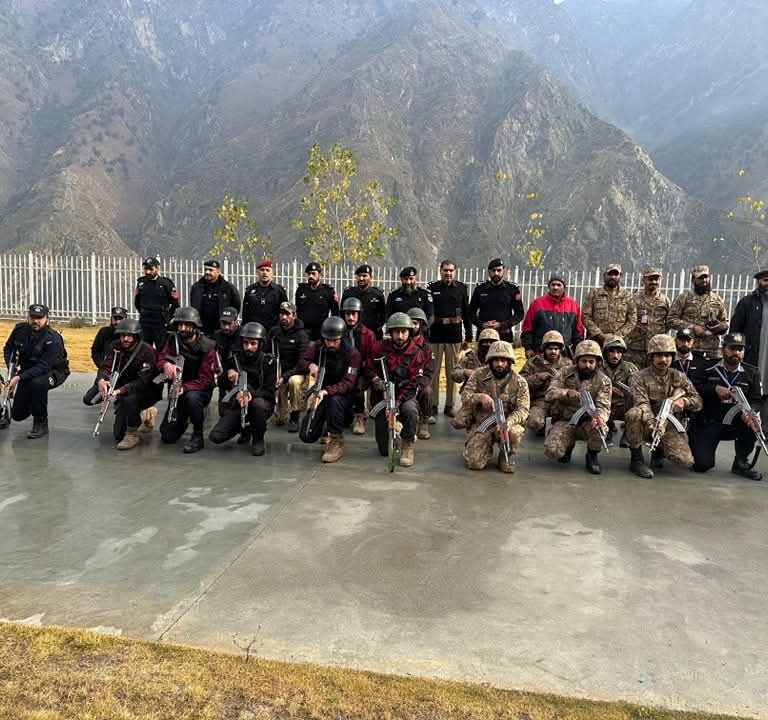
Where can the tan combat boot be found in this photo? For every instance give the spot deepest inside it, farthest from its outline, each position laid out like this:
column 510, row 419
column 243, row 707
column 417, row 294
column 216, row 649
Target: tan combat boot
column 406, row 453
column 148, row 419
column 506, row 466
column 334, row 449
column 358, row 424
column 423, row 431
column 130, row 440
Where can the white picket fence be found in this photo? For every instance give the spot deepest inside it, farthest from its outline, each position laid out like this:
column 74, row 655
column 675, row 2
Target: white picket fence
column 87, row 287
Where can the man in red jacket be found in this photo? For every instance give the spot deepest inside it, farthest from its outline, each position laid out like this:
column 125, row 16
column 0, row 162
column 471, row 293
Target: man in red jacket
column 362, row 339
column 553, row 311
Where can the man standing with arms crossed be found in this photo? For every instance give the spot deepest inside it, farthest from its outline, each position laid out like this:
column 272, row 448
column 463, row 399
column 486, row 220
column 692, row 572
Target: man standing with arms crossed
column 608, row 310
column 155, row 299
column 496, row 304
column 652, row 309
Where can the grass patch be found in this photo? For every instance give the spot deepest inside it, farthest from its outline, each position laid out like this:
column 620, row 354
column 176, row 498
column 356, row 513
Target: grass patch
column 52, row 673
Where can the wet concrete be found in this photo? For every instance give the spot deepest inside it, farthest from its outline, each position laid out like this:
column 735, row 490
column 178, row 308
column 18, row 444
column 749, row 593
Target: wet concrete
column 551, row 579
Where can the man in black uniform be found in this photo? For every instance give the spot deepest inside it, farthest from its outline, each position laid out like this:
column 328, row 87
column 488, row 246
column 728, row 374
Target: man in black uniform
column 451, row 305
column 42, row 361
column 687, row 360
column 135, row 362
column 227, row 339
column 156, row 299
column 315, row 301
column 211, row 294
column 199, row 353
column 408, row 295
column 288, row 341
column 262, row 300
column 101, row 347
column 707, row 429
column 373, row 314
column 258, row 400
column 496, row 304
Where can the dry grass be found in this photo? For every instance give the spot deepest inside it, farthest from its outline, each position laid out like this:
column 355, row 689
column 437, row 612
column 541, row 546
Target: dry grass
column 77, row 340
column 52, row 673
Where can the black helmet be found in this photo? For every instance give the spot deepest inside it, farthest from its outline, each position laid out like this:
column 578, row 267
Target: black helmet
column 351, row 304
column 333, row 328
column 128, row 326
column 253, row 331
column 187, row 315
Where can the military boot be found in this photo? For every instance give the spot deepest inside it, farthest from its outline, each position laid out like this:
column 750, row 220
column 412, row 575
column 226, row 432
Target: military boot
column 334, row 450
column 130, row 439
column 566, row 456
column 592, row 463
column 742, row 467
column 423, row 431
column 448, row 411
column 406, row 453
column 358, row 424
column 506, row 466
column 148, row 419
column 609, row 434
column 257, row 446
column 657, row 459
column 195, row 443
column 637, row 463
column 39, row 428
column 293, row 422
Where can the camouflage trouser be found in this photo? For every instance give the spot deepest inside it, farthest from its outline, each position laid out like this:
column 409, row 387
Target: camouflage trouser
column 674, row 445
column 290, row 396
column 617, row 410
column 638, row 357
column 563, row 435
column 463, row 415
column 478, row 450
column 537, row 416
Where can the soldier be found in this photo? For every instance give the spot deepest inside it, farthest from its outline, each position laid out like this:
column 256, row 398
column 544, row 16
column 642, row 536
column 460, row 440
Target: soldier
column 513, row 391
column 619, row 372
column 538, row 372
column 259, row 398
column 363, row 339
column 451, row 307
column 419, row 326
column 227, row 340
column 315, row 301
column 553, row 311
column 701, row 310
column 406, row 364
column 496, row 304
column 101, row 347
column 608, row 310
column 211, row 294
column 155, row 299
column 687, row 360
column 707, row 429
column 332, row 402
column 262, row 299
column 374, row 312
column 651, row 308
column 200, row 365
column 288, row 341
column 650, row 388
column 408, row 295
column 135, row 394
column 564, row 400
column 41, row 357
column 468, row 363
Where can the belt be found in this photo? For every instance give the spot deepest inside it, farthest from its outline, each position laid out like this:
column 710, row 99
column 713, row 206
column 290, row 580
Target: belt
column 450, row 321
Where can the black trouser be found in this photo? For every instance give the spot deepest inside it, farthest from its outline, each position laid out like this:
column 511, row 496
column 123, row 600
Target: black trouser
column 91, row 394
column 329, row 417
column 128, row 409
column 358, row 396
column 425, row 401
column 190, row 408
column 704, row 437
column 31, row 398
column 259, row 411
column 408, row 416
column 153, row 331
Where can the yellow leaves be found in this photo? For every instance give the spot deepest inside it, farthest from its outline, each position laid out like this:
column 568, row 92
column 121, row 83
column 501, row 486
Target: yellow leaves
column 740, row 172
column 237, row 236
column 532, row 196
column 501, row 175
column 730, row 215
column 536, row 216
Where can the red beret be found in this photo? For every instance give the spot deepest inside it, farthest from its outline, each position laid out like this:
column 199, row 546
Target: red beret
column 263, row 264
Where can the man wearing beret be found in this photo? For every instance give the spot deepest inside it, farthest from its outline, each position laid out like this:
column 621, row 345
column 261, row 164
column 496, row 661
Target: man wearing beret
column 409, row 295
column 496, row 304
column 315, row 300
column 554, row 311
column 262, row 299
column 751, row 319
column 155, row 299
column 374, row 305
column 651, row 309
column 211, row 294
column 608, row 310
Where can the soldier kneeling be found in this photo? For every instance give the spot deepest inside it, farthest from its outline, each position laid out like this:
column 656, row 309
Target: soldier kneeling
column 495, row 380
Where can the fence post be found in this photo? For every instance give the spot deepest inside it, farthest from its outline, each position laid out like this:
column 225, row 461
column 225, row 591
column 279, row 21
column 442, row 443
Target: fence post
column 31, row 277
column 93, row 288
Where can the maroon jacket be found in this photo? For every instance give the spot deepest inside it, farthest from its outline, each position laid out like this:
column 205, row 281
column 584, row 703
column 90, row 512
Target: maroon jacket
column 363, row 340
column 199, row 362
column 341, row 368
column 406, row 368
column 134, row 377
column 426, row 348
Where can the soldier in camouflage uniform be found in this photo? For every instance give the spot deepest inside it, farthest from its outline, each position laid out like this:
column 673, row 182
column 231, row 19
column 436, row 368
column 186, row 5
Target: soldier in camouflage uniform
column 608, row 310
column 467, row 364
column 701, row 310
column 513, row 391
column 538, row 372
column 564, row 399
column 652, row 308
column 650, row 388
column 619, row 372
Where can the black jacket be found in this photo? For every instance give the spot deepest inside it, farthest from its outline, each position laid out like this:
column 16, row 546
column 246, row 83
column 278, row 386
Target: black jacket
column 40, row 353
column 402, row 301
column 502, row 302
column 134, row 377
column 209, row 299
column 693, row 365
column 709, row 376
column 374, row 313
column 748, row 319
column 290, row 344
column 261, row 304
column 451, row 312
column 155, row 299
column 261, row 369
column 313, row 305
column 102, row 344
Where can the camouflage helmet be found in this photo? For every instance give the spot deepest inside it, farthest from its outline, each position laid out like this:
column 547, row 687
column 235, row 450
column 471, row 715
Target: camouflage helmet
column 416, row 313
column 614, row 342
column 488, row 334
column 662, row 343
column 587, row 347
column 399, row 320
column 501, row 349
column 187, row 315
column 552, row 337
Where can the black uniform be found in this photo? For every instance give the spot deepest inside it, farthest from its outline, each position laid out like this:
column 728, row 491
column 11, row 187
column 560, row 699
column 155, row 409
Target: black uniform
column 374, row 313
column 156, row 299
column 209, row 299
column 690, row 367
column 748, row 319
column 290, row 344
column 261, row 303
column 706, row 429
column 314, row 305
column 101, row 347
column 402, row 300
column 502, row 302
column 451, row 311
column 43, row 366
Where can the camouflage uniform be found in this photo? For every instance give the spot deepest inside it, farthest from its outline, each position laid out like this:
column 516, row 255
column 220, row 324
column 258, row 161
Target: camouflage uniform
column 563, row 435
column 652, row 311
column 470, row 360
column 513, row 390
column 621, row 373
column 538, row 387
column 608, row 312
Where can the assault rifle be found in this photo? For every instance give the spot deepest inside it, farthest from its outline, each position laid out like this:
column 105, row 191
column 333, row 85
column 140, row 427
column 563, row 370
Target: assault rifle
column 742, row 406
column 626, row 391
column 114, row 376
column 498, row 419
column 665, row 416
column 240, row 387
column 316, row 388
column 589, row 409
column 278, row 364
column 389, row 406
column 6, row 404
column 174, row 388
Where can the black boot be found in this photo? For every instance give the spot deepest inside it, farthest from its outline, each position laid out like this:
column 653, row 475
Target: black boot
column 293, row 422
column 593, row 464
column 623, row 440
column 741, row 467
column 5, row 420
column 657, row 459
column 39, row 428
column 566, row 457
column 195, row 443
column 609, row 434
column 244, row 437
column 257, row 446
column 637, row 463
